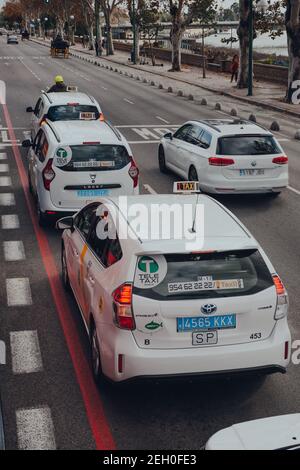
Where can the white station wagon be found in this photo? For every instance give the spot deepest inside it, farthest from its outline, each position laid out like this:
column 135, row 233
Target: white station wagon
column 226, row 156
column 153, row 307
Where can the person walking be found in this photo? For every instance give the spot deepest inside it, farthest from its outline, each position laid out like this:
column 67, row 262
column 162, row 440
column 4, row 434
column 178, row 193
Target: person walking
column 235, row 63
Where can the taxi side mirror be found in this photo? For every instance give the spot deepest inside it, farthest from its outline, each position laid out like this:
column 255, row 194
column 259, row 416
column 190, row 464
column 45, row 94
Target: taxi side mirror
column 169, row 135
column 29, row 109
column 67, row 223
column 26, row 144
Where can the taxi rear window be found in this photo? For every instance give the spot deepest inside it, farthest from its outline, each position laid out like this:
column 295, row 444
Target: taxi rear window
column 97, row 158
column 71, row 112
column 247, row 145
column 212, row 275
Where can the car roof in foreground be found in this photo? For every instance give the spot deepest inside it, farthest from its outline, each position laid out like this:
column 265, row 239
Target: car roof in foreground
column 261, row 434
column 77, row 132
column 223, row 127
column 221, row 230
column 71, row 97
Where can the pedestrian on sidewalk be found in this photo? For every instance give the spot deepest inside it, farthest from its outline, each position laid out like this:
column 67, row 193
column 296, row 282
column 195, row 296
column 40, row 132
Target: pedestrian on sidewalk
column 235, row 63
column 97, row 48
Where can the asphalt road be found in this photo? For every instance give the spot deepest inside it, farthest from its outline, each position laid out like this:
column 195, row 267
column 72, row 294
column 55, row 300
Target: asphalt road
column 45, row 385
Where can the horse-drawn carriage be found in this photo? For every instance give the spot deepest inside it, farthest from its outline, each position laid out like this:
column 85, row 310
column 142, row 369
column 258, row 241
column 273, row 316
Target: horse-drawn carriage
column 60, row 48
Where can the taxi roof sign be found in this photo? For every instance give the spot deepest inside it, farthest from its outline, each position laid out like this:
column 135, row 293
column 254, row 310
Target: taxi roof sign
column 72, row 88
column 87, row 116
column 186, row 187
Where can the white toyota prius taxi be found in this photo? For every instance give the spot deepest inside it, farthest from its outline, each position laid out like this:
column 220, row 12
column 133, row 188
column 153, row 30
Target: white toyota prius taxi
column 159, row 307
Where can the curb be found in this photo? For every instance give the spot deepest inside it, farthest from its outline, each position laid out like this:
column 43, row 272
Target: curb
column 243, row 99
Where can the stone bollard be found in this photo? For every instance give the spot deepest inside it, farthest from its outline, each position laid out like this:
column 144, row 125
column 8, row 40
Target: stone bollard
column 252, row 118
column 191, row 98
column 170, row 89
column 275, row 126
column 233, row 112
column 180, row 93
column 203, row 102
column 297, row 134
column 218, row 106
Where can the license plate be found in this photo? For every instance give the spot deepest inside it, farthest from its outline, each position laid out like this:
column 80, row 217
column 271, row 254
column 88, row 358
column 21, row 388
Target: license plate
column 219, row 322
column 256, row 172
column 203, row 338
column 92, row 192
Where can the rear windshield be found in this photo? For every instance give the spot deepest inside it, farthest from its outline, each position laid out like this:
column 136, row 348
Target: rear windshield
column 247, row 145
column 72, row 112
column 97, row 158
column 213, row 275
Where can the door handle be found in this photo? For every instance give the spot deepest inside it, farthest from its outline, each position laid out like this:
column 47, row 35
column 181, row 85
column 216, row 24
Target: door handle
column 75, row 252
column 91, row 280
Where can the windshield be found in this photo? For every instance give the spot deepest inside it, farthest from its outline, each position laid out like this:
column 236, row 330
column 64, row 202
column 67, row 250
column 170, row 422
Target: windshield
column 224, row 274
column 70, row 112
column 247, row 145
column 95, row 158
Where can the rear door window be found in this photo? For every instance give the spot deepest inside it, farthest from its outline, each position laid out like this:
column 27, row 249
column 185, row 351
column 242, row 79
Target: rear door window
column 211, row 275
column 96, row 158
column 247, row 145
column 72, row 112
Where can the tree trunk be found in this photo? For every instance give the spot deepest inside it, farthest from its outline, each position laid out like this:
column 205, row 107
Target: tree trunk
column 98, row 27
column 243, row 34
column 137, row 43
column 91, row 37
column 176, row 36
column 109, row 37
column 292, row 22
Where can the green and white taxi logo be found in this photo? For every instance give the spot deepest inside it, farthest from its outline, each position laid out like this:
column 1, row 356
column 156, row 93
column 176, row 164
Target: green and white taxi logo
column 151, row 271
column 63, row 156
column 148, row 265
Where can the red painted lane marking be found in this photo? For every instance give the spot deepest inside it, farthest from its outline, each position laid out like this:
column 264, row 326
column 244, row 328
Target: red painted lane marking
column 93, row 404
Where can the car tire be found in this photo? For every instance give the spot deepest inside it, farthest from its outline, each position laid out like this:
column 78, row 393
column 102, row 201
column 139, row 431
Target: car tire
column 274, row 194
column 162, row 160
column 95, row 355
column 42, row 220
column 64, row 270
column 193, row 175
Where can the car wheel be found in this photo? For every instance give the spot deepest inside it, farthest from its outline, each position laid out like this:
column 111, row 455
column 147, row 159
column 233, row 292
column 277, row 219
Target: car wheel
column 95, row 354
column 162, row 160
column 42, row 220
column 193, row 176
column 64, row 270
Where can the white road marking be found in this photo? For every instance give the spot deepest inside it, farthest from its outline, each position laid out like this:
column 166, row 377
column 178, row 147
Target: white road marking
column 138, row 142
column 283, row 140
column 2, row 353
column 35, row 429
column 4, row 168
column 18, row 292
column 104, row 88
column 128, row 101
column 14, row 251
column 31, row 71
column 5, row 181
column 3, row 156
column 149, row 189
column 162, row 119
column 7, row 199
column 10, row 222
column 294, row 190
column 25, row 352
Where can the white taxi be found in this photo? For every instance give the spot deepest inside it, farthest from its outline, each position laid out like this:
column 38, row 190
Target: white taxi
column 160, row 306
column 226, row 156
column 70, row 164
column 68, row 106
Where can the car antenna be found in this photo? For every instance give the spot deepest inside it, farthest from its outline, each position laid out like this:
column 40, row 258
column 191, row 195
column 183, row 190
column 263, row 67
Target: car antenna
column 188, row 187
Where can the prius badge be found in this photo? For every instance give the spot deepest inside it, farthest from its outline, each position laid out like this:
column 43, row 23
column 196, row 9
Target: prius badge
column 208, row 309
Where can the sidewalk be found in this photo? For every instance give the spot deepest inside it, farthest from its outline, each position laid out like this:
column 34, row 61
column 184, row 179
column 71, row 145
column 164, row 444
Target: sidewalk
column 267, row 95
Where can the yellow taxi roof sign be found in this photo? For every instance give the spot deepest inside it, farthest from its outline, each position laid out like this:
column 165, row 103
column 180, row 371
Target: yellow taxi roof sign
column 186, row 187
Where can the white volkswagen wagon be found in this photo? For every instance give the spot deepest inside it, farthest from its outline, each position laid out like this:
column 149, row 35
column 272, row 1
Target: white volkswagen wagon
column 226, row 157
column 153, row 307
column 73, row 163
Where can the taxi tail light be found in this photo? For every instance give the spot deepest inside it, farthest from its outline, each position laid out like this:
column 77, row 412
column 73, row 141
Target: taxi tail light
column 43, row 121
column 101, row 118
column 48, row 174
column 134, row 172
column 283, row 160
column 220, row 161
column 122, row 305
column 282, row 298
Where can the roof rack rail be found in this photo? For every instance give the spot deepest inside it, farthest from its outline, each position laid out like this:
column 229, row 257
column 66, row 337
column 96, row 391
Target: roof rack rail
column 46, row 94
column 53, row 130
column 207, row 123
column 115, row 131
column 92, row 99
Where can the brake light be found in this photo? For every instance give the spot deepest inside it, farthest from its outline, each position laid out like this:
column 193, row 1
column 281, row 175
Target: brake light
column 280, row 160
column 282, row 298
column 122, row 305
column 90, row 143
column 43, row 121
column 72, row 104
column 220, row 161
column 48, row 174
column 134, row 172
